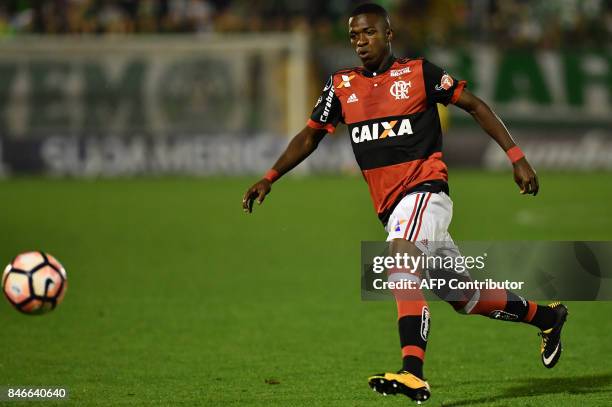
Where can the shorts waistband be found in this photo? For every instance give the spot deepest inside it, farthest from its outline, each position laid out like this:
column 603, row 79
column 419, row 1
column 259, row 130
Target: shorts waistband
column 434, row 186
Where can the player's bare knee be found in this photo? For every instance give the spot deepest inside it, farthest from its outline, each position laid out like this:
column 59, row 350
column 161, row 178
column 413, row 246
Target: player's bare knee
column 408, row 252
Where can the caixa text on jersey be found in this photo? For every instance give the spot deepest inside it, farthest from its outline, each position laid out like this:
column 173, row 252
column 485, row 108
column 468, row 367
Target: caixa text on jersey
column 380, row 130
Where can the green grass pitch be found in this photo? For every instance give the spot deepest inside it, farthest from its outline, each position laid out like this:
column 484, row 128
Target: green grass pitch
column 176, row 297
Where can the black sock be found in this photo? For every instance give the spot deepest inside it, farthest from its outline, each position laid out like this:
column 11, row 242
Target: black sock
column 413, row 330
column 516, row 307
column 544, row 317
column 413, row 365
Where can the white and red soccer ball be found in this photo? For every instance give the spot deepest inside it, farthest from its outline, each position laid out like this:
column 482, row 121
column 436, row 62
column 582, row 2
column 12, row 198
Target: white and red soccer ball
column 34, row 282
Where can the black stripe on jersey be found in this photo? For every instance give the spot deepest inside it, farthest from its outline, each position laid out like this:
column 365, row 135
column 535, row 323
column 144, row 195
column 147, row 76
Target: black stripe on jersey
column 432, row 76
column 426, row 139
column 416, row 216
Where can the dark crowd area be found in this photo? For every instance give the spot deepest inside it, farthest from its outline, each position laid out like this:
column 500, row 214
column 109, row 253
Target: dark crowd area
column 512, row 23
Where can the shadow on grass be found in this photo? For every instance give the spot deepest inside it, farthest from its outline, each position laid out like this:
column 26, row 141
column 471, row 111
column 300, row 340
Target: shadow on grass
column 542, row 386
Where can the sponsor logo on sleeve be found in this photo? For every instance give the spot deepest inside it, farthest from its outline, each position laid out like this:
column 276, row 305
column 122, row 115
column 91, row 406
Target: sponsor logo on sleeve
column 446, row 82
column 328, row 104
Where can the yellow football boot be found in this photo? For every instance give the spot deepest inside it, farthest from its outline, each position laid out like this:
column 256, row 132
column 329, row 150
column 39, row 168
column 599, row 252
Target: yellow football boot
column 401, row 382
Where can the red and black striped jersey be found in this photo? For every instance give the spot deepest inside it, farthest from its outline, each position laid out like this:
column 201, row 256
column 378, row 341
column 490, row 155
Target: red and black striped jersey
column 393, row 125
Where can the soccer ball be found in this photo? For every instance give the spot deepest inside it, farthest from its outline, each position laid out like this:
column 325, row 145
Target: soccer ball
column 34, row 282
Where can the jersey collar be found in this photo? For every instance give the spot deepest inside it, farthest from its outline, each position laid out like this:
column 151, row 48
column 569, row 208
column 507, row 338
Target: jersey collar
column 370, row 74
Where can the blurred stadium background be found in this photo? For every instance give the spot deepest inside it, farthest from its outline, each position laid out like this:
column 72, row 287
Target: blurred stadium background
column 129, row 131
column 111, row 88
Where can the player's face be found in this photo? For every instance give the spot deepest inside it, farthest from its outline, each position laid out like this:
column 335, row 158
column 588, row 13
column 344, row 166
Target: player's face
column 371, row 38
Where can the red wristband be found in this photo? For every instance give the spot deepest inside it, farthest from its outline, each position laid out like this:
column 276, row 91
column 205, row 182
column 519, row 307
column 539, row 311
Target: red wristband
column 272, row 175
column 515, row 154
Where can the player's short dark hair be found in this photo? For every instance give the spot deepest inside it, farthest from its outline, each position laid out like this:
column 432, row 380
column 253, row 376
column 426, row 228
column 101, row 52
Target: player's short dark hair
column 370, row 8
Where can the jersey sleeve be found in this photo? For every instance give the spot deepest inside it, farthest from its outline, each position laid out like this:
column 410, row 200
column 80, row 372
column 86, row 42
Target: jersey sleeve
column 440, row 86
column 327, row 112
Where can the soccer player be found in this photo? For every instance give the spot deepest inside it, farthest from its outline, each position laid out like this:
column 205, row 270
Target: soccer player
column 389, row 106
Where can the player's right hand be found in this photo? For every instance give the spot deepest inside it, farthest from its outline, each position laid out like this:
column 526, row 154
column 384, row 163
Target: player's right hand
column 258, row 192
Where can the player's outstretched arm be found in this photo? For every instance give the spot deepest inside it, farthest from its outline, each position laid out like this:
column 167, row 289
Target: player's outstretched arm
column 300, row 147
column 524, row 175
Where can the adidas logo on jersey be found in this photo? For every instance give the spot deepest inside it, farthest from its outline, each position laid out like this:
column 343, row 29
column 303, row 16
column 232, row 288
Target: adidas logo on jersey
column 352, row 99
column 380, row 130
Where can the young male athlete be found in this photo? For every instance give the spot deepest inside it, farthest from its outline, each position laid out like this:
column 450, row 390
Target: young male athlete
column 389, row 106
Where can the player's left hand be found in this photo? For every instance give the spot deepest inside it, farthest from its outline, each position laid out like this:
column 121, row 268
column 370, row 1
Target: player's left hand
column 525, row 177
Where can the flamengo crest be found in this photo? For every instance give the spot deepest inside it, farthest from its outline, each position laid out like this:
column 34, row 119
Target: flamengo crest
column 399, row 89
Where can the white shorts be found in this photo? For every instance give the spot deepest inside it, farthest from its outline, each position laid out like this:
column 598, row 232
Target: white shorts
column 423, row 218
